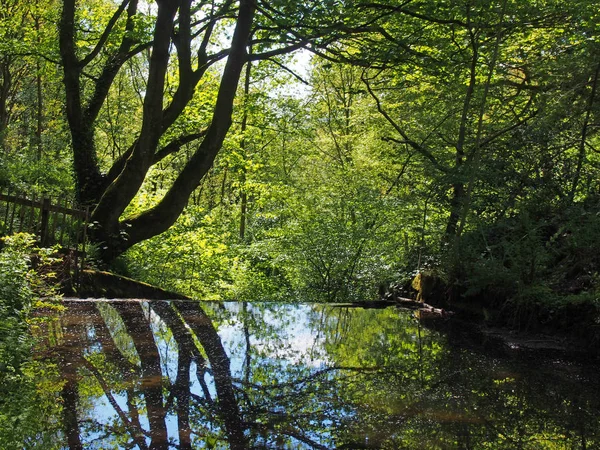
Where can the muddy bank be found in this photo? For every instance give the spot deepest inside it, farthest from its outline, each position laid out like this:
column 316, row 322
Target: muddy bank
column 494, row 332
column 101, row 284
column 542, row 320
column 568, row 325
column 567, row 329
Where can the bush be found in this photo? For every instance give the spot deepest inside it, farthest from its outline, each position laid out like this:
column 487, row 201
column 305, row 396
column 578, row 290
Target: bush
column 24, row 407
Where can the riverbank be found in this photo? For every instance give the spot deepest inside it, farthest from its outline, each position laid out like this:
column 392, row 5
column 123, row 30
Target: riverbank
column 102, row 284
column 569, row 327
column 570, row 323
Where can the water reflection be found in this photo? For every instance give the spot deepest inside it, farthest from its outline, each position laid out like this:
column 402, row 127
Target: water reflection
column 183, row 375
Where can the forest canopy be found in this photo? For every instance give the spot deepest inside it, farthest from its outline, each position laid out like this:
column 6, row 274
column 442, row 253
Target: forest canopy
column 220, row 160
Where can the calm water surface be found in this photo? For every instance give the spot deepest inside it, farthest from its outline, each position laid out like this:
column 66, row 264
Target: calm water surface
column 183, row 375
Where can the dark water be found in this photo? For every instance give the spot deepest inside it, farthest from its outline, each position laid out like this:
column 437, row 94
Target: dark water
column 160, row 375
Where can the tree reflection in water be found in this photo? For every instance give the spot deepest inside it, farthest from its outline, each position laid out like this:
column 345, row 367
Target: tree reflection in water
column 159, row 375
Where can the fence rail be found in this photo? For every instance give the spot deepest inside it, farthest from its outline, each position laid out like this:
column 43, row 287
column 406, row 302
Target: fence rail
column 54, row 221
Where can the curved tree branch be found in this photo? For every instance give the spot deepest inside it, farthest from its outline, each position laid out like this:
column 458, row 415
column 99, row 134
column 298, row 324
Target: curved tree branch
column 106, row 33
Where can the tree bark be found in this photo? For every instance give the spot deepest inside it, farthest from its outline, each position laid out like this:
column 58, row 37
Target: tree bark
column 5, row 88
column 87, row 172
column 584, row 134
column 244, row 148
column 118, row 195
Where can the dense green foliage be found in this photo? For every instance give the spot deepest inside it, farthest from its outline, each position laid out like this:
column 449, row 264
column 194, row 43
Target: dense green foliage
column 26, row 403
column 299, row 151
column 456, row 136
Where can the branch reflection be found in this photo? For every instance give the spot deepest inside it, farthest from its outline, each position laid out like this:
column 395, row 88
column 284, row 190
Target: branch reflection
column 178, row 375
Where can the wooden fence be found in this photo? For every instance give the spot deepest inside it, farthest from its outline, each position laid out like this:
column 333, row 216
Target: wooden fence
column 54, row 221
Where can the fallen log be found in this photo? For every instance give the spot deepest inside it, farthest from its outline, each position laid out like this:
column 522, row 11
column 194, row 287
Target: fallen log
column 423, row 311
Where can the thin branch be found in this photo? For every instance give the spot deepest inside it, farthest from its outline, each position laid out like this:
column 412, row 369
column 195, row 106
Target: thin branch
column 136, row 434
column 400, row 174
column 418, row 147
column 287, row 69
column 592, row 148
column 176, row 144
column 310, row 377
column 278, row 51
column 507, row 129
column 304, row 439
column 109, row 27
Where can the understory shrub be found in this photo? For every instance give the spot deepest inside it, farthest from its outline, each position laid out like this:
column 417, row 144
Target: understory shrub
column 25, row 407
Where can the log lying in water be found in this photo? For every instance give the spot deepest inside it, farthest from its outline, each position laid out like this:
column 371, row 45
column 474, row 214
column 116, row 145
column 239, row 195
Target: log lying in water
column 429, row 312
column 423, row 311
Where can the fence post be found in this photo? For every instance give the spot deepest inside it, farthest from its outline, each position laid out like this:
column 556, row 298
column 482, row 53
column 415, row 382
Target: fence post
column 44, row 238
column 12, row 216
column 86, row 219
column 7, row 210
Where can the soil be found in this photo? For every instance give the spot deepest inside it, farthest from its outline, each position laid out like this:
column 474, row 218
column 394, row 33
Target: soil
column 100, row 284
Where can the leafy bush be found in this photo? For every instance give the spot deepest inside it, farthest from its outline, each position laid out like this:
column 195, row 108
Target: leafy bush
column 24, row 407
column 191, row 258
column 535, row 265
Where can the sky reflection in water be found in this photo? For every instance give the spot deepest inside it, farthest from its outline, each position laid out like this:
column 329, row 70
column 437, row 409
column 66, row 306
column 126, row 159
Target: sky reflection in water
column 237, row 375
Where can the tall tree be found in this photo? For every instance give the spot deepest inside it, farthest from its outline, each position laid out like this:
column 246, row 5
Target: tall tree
column 193, row 36
column 458, row 83
column 20, row 71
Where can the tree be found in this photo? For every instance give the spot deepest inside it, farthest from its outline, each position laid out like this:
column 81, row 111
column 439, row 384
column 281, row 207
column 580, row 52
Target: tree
column 14, row 18
column 467, row 87
column 33, row 136
column 337, row 204
column 195, row 37
column 496, row 99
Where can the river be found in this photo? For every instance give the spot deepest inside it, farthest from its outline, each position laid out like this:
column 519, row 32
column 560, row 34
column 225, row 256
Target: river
column 183, row 375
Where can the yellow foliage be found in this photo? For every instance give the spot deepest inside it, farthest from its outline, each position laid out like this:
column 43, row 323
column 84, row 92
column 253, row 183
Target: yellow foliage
column 424, row 283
